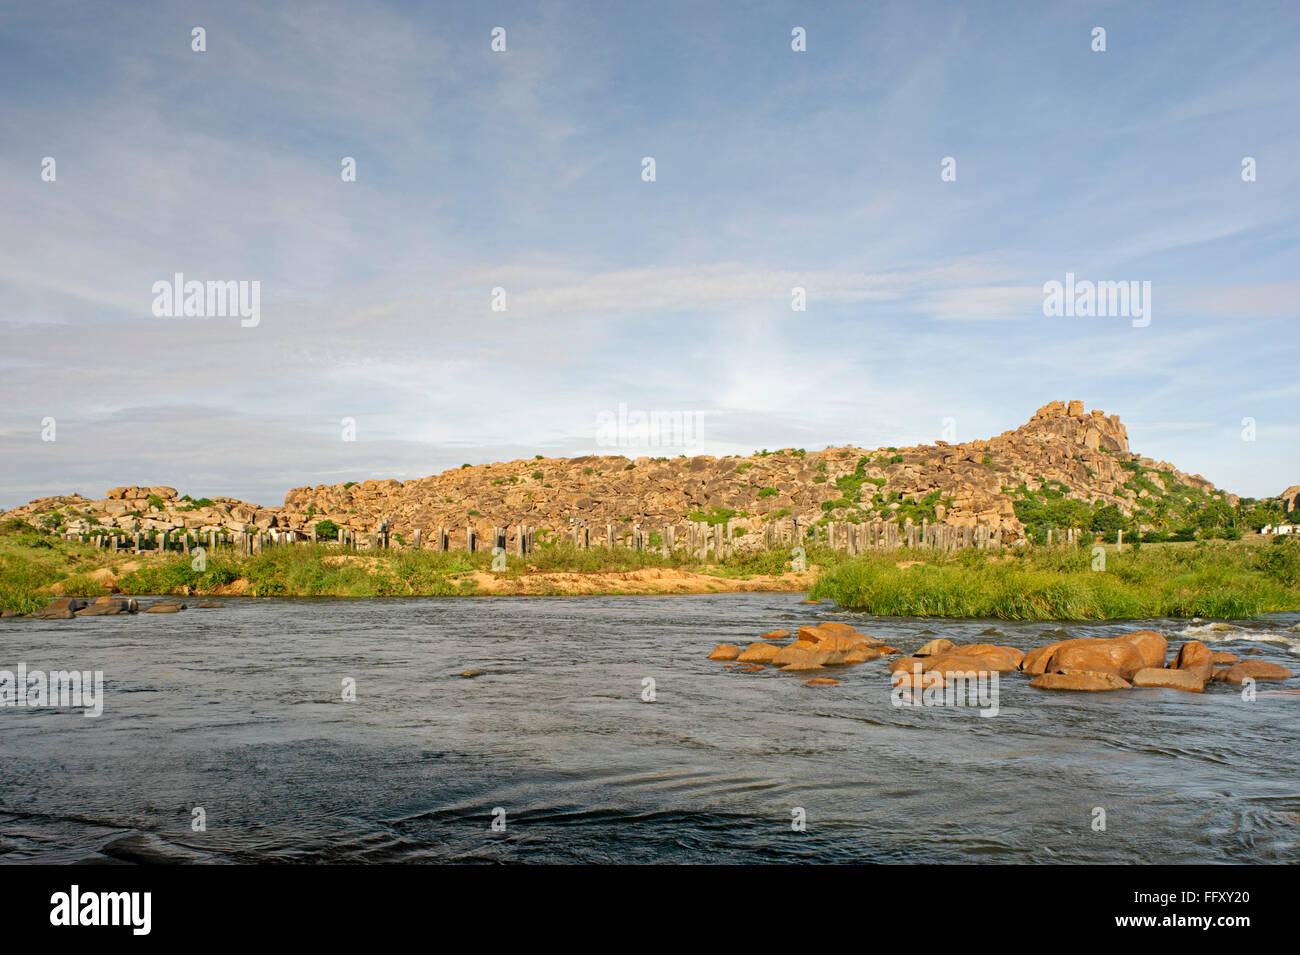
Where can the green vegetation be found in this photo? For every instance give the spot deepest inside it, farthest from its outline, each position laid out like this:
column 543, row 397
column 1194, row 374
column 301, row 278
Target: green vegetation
column 1176, row 512
column 1204, row 580
column 1215, row 579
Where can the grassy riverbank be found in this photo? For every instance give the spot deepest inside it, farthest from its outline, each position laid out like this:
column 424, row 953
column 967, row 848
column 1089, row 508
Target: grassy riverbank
column 1208, row 579
column 34, row 568
column 1224, row 580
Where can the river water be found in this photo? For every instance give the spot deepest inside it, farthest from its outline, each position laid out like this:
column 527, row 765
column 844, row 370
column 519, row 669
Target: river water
column 240, row 711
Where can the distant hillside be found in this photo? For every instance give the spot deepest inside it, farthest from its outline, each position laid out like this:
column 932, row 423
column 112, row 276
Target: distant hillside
column 1064, row 467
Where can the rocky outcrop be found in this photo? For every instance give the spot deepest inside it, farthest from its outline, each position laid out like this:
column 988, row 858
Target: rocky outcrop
column 1063, row 445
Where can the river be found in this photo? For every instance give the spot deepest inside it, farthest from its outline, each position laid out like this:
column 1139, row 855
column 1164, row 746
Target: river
column 240, row 712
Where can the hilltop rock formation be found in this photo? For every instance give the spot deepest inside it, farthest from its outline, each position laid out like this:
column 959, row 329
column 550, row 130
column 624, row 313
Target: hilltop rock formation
column 1063, row 445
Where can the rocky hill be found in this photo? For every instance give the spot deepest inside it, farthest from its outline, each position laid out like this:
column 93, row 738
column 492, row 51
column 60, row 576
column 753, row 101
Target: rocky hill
column 1063, row 452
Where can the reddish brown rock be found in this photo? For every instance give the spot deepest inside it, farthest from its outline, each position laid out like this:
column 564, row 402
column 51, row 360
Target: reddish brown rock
column 1165, row 678
column 952, row 663
column 1253, row 669
column 913, row 680
column 1000, row 658
column 775, row 635
column 787, row 654
column 1153, row 646
column 1083, row 681
column 1195, row 656
column 1221, row 657
column 1035, row 661
column 821, row 681
column 935, row 647
column 758, row 653
column 1096, row 654
column 724, row 651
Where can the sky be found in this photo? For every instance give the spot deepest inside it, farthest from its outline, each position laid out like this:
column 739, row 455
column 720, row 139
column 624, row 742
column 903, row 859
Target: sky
column 523, row 171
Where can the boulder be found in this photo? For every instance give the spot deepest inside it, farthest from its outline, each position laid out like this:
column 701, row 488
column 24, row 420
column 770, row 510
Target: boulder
column 758, row 653
column 836, row 641
column 1197, row 657
column 836, row 627
column 1187, row 680
column 861, row 655
column 936, row 646
column 724, row 651
column 952, row 663
column 787, row 654
column 1035, row 661
column 821, row 681
column 808, row 660
column 1222, row 656
column 1080, row 680
column 906, row 663
column 775, row 635
column 1153, row 646
column 64, row 608
column 1096, row 654
column 166, row 606
column 1252, row 669
column 105, row 607
column 1000, row 658
column 912, row 680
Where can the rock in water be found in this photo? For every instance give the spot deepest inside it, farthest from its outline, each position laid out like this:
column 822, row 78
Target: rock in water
column 758, row 653
column 1186, row 680
column 1197, row 657
column 1255, row 670
column 1079, row 680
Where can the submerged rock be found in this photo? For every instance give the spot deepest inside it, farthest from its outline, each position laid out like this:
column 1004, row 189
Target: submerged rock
column 1079, row 680
column 1165, row 678
column 166, row 606
column 1252, row 669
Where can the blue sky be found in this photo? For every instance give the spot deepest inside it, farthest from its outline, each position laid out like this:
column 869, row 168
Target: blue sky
column 522, row 170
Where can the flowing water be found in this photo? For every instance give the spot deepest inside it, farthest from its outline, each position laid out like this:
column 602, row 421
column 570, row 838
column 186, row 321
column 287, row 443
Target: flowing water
column 239, row 711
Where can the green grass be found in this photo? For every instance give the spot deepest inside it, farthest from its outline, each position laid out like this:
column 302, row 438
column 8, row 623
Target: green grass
column 33, row 561
column 1206, row 580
